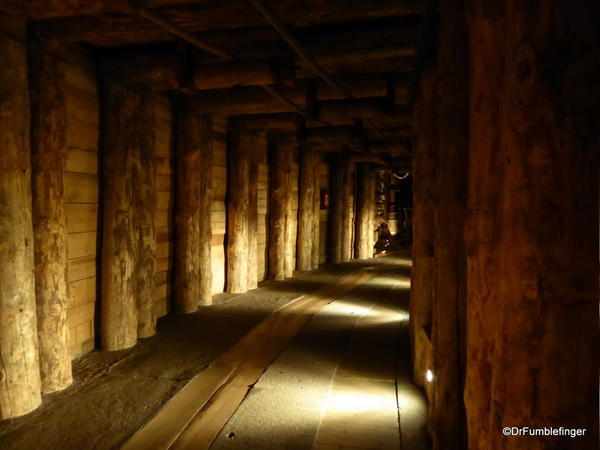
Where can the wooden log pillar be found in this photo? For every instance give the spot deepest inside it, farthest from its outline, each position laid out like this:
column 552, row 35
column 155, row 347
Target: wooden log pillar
column 336, row 211
column 316, row 233
column 544, row 369
column 277, row 208
column 448, row 339
column 49, row 161
column 238, row 172
column 192, row 273
column 252, row 150
column 146, row 198
column 365, row 211
column 205, row 199
column 306, row 211
column 20, row 384
column 482, row 230
column 347, row 209
column 291, row 216
column 422, row 288
column 129, row 199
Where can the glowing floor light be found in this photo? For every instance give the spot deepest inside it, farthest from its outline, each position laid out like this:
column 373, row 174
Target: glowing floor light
column 429, row 376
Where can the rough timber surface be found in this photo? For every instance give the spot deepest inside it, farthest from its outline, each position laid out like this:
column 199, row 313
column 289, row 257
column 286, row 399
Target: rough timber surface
column 115, row 393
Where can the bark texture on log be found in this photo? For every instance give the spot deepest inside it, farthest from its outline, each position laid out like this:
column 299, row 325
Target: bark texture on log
column 425, row 202
column 336, row 204
column 193, row 155
column 448, row 316
column 145, row 212
column 49, row 159
column 291, row 217
column 548, row 319
column 237, row 211
column 316, row 233
column 19, row 372
column 306, row 210
column 205, row 198
column 277, row 181
column 127, row 268
column 251, row 149
column 347, row 209
column 365, row 211
column 482, row 230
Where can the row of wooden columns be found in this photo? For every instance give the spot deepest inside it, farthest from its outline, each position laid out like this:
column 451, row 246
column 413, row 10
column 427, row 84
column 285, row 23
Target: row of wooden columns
column 504, row 291
column 33, row 258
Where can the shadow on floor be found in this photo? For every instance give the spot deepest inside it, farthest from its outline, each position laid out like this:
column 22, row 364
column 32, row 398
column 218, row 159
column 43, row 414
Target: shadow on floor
column 115, row 393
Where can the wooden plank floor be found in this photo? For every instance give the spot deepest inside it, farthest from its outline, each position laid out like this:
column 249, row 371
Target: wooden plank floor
column 356, row 406
column 194, row 417
column 362, row 410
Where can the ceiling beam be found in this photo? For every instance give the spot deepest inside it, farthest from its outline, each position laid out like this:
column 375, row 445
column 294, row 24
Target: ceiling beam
column 253, row 100
column 117, row 29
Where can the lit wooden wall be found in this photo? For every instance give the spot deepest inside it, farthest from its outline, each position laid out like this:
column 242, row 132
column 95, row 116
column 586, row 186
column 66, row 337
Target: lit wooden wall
column 81, row 195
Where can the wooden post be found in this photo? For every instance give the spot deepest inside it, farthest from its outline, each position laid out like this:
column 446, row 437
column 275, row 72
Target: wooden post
column 448, row 317
column 277, row 195
column 336, row 204
column 128, row 132
column 373, row 208
column 146, row 198
column 315, row 250
column 482, row 230
column 252, row 142
column 49, row 160
column 422, row 289
column 193, row 153
column 548, row 276
column 306, row 211
column 365, row 211
column 347, row 209
column 291, row 218
column 19, row 371
column 237, row 211
column 205, row 199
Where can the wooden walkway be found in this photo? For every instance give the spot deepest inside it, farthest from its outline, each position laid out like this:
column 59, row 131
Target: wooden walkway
column 360, row 410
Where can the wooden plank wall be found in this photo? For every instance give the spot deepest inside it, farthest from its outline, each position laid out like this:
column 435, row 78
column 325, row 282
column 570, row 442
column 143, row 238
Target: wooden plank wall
column 219, row 185
column 323, row 174
column 81, row 193
column 263, row 206
column 164, row 213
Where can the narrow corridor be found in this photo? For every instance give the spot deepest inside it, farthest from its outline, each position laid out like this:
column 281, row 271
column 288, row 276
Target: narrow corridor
column 321, row 351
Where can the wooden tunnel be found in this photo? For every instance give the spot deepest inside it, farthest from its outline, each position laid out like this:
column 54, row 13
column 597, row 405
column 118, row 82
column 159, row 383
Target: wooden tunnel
column 155, row 154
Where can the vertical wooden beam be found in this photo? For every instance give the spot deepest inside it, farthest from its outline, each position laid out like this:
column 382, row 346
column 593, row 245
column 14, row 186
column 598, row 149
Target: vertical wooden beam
column 373, row 209
column 252, row 142
column 315, row 250
column 291, row 217
column 193, row 159
column 277, row 209
column 336, row 205
column 365, row 211
column 49, row 160
column 547, row 332
column 347, row 209
column 128, row 132
column 205, row 199
column 306, row 211
column 422, row 289
column 237, row 211
column 146, row 198
column 453, row 138
column 482, row 230
column 19, row 371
